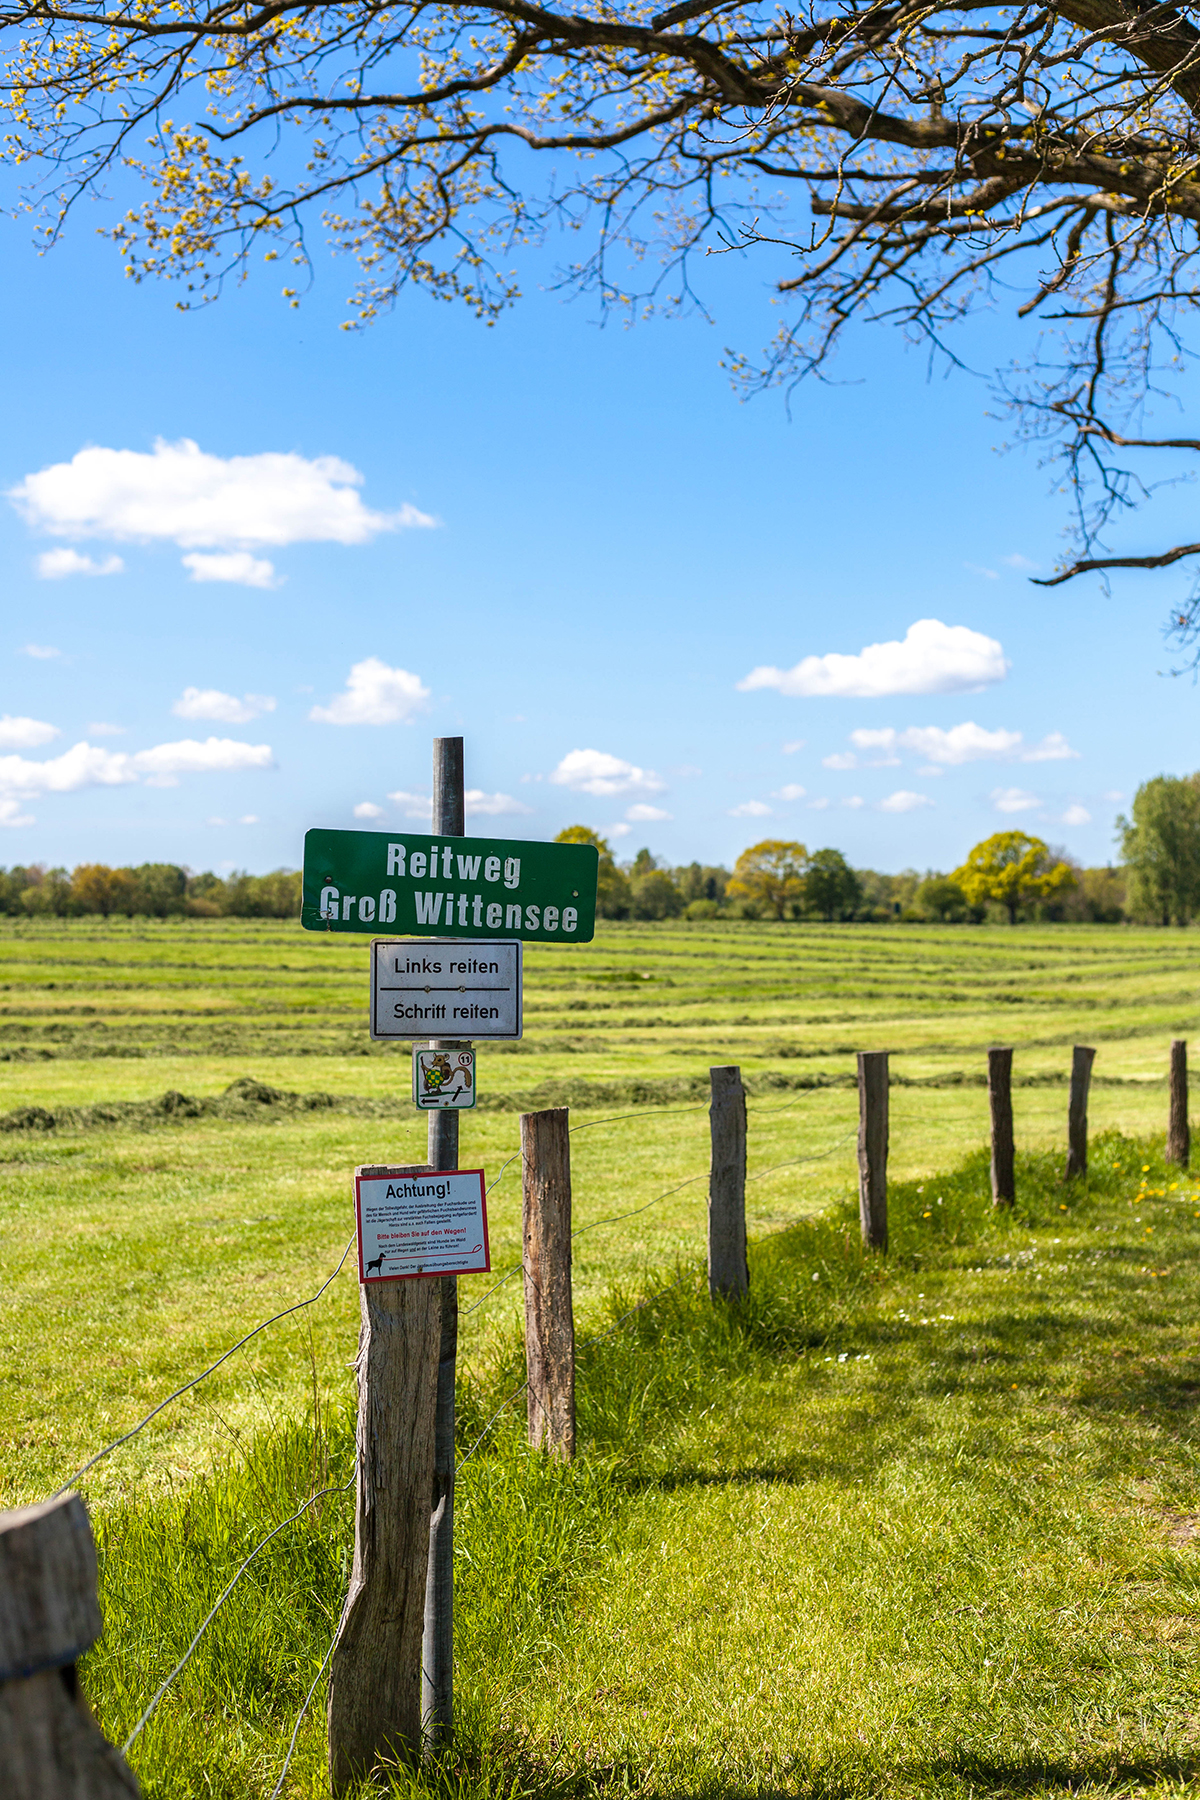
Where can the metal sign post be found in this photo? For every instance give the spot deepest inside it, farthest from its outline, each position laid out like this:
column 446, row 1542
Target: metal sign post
column 437, row 1648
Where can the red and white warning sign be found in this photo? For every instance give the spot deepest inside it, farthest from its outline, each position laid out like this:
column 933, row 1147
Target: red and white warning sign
column 413, row 1223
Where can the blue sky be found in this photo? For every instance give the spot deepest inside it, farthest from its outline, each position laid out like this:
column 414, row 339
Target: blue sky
column 572, row 544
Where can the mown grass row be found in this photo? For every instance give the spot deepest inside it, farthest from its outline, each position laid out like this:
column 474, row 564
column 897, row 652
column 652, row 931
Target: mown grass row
column 888, row 1526
column 638, row 996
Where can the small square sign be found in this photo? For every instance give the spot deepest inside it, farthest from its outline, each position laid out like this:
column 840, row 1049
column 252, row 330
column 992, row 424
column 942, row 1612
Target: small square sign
column 442, row 1079
column 414, row 1222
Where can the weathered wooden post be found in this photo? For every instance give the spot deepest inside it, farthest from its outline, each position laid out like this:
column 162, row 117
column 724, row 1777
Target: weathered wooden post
column 375, row 1700
column 728, row 1270
column 437, row 1651
column 1179, row 1140
column 1077, row 1129
column 873, row 1147
column 50, row 1746
column 1004, row 1191
column 549, row 1316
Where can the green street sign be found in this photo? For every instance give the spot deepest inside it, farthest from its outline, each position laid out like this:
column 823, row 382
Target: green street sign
column 420, row 885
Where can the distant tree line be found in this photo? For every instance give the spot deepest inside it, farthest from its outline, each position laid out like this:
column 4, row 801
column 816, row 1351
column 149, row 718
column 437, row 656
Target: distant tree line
column 152, row 890
column 1008, row 876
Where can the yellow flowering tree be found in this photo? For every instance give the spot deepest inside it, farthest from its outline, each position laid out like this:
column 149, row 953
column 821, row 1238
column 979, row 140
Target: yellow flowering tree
column 771, row 876
column 1013, row 870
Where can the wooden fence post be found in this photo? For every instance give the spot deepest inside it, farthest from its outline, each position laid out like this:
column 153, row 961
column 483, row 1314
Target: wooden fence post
column 549, row 1317
column 873, row 1147
column 50, row 1746
column 375, row 1697
column 1179, row 1140
column 728, row 1270
column 1077, row 1131
column 1004, row 1190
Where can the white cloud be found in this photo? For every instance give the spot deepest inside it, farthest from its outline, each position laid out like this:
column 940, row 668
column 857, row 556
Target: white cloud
column 618, row 831
column 790, row 791
column 1076, row 815
column 932, row 659
column 1113, row 795
column 180, row 493
column 227, row 709
column 794, row 744
column 163, row 765
column 491, row 805
column 903, row 801
column 216, row 821
column 232, row 565
column 367, row 809
column 978, row 569
column 11, row 814
column 53, row 565
column 86, row 765
column 1017, row 561
column 599, row 773
column 25, row 734
column 98, row 728
column 819, row 805
column 249, row 819
column 642, row 814
column 749, row 809
column 1053, row 748
column 963, row 743
column 1014, row 800
column 854, row 800
column 413, row 806
column 842, row 759
column 375, row 695
column 41, row 652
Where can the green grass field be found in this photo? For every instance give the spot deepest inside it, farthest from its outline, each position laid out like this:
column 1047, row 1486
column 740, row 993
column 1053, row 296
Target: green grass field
column 946, row 1563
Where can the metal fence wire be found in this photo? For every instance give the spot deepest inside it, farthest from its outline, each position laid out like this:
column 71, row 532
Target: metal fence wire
column 343, row 1487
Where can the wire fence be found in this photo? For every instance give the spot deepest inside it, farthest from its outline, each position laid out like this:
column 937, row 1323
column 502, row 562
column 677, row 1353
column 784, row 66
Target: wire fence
column 643, row 1115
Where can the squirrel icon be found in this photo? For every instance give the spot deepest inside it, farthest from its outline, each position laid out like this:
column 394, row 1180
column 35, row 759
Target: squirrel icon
column 438, row 1076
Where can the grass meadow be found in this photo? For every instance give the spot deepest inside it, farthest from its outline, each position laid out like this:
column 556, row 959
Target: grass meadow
column 920, row 1524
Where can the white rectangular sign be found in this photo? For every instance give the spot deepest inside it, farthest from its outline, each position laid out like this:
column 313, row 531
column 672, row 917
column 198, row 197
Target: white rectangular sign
column 445, row 988
column 413, row 1222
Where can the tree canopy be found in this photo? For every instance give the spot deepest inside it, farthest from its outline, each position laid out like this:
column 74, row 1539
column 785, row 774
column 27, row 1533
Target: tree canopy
column 771, row 876
column 901, row 161
column 1013, row 870
column 1161, row 847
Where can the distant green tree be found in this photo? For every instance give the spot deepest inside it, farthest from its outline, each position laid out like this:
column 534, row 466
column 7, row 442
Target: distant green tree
column 831, row 886
column 702, row 881
column 770, row 876
column 13, row 883
column 273, row 896
column 642, row 864
column 161, row 889
column 655, row 896
column 47, row 892
column 614, row 898
column 942, row 899
column 1099, row 897
column 1013, row 870
column 1161, row 847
